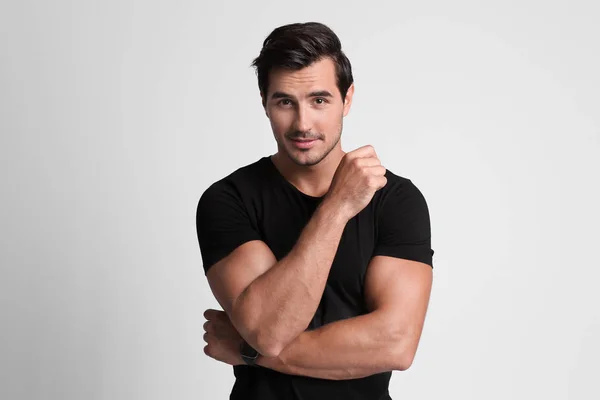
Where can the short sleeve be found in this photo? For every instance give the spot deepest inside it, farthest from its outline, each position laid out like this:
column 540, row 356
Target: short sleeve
column 404, row 229
column 222, row 223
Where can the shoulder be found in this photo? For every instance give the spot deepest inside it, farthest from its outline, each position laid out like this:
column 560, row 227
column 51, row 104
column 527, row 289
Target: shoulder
column 395, row 181
column 398, row 190
column 403, row 221
column 236, row 184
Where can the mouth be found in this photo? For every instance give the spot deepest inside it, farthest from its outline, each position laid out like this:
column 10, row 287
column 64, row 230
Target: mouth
column 304, row 143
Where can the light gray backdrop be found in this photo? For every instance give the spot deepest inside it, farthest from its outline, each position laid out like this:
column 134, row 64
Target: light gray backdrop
column 116, row 115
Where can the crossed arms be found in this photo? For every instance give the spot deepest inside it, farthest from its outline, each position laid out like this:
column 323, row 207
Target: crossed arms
column 270, row 304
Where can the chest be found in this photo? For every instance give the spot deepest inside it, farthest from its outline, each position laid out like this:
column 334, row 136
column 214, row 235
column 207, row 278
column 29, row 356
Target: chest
column 280, row 227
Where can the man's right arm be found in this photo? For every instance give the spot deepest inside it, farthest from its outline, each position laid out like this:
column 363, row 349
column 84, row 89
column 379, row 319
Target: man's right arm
column 271, row 302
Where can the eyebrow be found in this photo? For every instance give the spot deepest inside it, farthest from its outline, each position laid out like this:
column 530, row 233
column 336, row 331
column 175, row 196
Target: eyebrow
column 318, row 93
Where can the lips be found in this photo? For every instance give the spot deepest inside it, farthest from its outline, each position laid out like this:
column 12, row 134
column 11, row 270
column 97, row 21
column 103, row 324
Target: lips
column 304, row 143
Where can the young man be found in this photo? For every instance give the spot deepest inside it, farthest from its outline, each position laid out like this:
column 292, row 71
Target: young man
column 320, row 259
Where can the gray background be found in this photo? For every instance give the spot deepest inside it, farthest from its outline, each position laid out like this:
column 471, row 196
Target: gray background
column 115, row 116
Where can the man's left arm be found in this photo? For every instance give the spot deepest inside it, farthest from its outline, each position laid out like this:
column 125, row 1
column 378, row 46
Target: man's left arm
column 397, row 294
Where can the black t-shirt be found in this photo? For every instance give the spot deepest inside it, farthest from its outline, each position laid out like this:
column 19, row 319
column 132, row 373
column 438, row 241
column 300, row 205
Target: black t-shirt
column 257, row 203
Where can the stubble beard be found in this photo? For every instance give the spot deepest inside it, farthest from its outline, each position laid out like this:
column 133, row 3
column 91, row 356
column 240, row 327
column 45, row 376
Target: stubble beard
column 315, row 158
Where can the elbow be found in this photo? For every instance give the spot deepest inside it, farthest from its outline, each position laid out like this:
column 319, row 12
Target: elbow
column 261, row 339
column 403, row 362
column 403, row 353
column 254, row 326
column 264, row 342
column 255, row 332
column 402, row 359
column 267, row 345
column 263, row 331
column 271, row 352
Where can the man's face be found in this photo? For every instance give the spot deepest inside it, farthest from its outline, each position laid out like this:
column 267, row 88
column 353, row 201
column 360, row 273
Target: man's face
column 306, row 110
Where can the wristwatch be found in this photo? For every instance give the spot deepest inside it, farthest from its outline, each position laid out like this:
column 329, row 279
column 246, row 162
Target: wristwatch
column 249, row 355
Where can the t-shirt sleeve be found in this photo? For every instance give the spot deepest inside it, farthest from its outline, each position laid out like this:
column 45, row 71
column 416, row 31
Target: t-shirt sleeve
column 222, row 223
column 404, row 229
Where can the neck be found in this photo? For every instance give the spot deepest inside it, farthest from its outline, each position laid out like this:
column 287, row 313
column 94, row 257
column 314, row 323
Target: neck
column 312, row 180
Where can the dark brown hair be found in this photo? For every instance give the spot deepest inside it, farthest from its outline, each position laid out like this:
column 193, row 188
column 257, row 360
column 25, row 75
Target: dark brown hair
column 298, row 45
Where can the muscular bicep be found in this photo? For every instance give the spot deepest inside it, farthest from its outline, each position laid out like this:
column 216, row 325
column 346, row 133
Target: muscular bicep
column 230, row 276
column 233, row 253
column 398, row 278
column 401, row 289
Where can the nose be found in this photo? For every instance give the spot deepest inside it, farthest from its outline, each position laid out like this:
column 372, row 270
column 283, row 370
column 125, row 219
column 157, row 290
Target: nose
column 303, row 119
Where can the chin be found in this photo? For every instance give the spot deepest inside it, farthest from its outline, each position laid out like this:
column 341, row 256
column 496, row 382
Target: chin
column 305, row 158
column 309, row 159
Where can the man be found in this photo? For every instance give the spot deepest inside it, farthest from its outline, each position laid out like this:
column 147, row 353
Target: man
column 320, row 259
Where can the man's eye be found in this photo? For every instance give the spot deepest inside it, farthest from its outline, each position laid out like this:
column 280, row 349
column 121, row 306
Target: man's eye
column 285, row 102
column 320, row 100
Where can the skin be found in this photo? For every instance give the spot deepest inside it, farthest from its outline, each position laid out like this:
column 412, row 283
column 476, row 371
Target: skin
column 397, row 293
column 268, row 303
column 307, row 104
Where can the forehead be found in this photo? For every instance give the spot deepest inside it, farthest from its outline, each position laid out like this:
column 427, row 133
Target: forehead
column 320, row 75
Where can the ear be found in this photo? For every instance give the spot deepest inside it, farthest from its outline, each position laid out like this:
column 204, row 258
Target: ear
column 348, row 100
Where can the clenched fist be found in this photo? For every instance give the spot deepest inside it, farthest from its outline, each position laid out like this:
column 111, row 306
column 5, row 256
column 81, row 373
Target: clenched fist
column 358, row 176
column 222, row 340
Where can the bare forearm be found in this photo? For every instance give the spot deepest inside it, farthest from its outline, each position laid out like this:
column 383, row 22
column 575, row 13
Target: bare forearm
column 346, row 349
column 276, row 364
column 278, row 305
